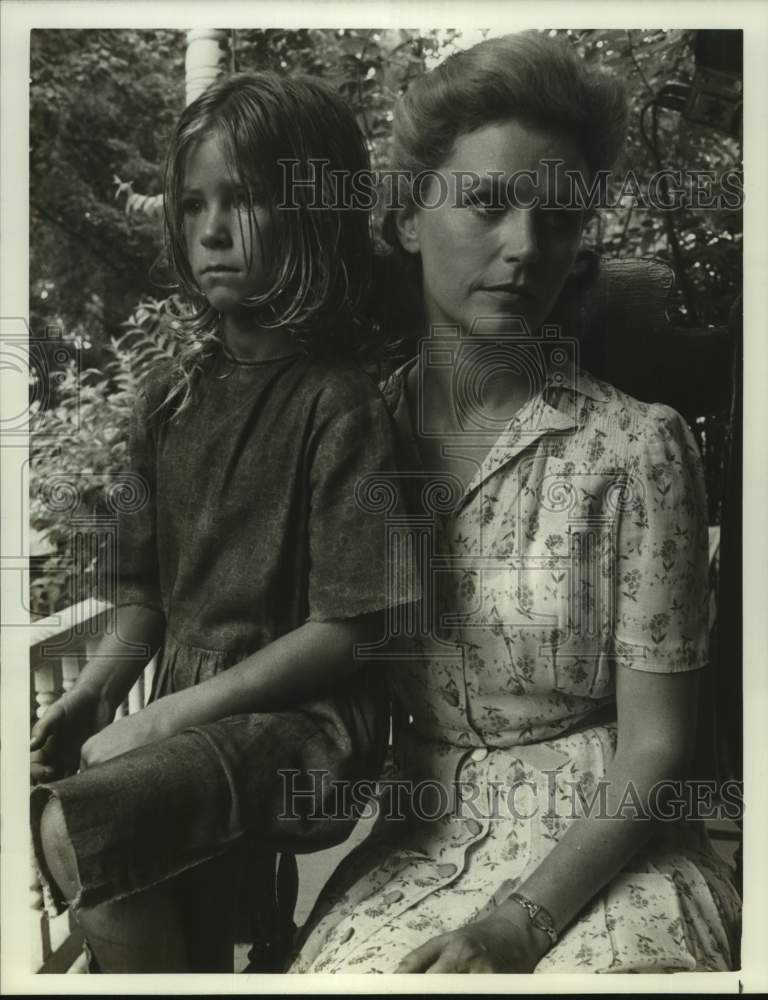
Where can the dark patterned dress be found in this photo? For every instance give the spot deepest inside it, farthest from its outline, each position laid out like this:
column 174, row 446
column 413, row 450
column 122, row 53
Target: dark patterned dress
column 247, row 525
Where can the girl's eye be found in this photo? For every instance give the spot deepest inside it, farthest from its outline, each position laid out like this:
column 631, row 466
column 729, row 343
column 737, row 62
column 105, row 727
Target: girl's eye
column 191, row 206
column 250, row 197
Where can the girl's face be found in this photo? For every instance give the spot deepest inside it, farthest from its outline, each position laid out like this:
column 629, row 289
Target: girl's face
column 491, row 255
column 224, row 239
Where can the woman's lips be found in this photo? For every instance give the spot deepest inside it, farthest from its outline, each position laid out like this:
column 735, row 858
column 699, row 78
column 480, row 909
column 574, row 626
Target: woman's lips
column 510, row 291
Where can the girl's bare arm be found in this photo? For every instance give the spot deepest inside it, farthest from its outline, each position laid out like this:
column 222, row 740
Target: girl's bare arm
column 130, row 637
column 292, row 669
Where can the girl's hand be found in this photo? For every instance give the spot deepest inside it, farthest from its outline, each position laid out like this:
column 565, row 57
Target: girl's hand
column 497, row 943
column 128, row 733
column 58, row 737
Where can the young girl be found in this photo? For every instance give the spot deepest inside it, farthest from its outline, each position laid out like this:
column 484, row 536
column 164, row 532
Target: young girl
column 249, row 563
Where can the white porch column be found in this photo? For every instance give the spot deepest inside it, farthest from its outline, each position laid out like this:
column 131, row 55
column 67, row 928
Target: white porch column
column 206, row 51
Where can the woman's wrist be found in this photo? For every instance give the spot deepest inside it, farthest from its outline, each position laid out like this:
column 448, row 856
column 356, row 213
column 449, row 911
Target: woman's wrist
column 514, row 924
column 533, row 920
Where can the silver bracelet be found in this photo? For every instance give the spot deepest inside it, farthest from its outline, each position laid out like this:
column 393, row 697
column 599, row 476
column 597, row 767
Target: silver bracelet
column 541, row 918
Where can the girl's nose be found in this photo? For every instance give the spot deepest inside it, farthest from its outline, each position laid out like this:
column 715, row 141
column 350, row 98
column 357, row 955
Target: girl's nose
column 216, row 230
column 518, row 235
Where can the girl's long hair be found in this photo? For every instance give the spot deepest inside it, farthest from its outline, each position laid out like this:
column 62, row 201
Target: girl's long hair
column 283, row 139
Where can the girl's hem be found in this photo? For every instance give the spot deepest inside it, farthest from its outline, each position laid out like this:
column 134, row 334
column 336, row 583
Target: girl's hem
column 54, row 902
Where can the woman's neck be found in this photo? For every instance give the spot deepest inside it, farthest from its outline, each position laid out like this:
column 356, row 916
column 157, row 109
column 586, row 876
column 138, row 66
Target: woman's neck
column 498, row 394
column 246, row 341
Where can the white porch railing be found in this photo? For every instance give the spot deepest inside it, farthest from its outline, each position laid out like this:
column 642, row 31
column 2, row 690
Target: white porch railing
column 59, row 647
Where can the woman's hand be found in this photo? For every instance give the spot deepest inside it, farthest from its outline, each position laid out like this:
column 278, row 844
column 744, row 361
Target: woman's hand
column 58, row 737
column 128, row 733
column 497, row 943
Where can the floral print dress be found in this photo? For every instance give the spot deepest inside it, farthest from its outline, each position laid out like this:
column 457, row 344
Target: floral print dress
column 579, row 547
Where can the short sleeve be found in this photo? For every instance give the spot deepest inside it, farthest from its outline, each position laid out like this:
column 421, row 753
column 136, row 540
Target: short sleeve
column 356, row 515
column 661, row 621
column 128, row 571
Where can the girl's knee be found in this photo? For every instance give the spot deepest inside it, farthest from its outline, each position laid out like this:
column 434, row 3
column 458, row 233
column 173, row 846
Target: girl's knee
column 57, row 849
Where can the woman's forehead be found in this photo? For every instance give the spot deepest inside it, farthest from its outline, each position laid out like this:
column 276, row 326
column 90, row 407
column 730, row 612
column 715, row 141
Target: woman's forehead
column 512, row 146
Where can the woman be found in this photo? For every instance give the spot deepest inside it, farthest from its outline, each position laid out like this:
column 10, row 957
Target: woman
column 549, row 691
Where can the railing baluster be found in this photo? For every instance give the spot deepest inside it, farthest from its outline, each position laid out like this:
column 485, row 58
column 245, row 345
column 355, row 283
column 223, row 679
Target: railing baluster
column 38, row 917
column 47, row 683
column 149, row 677
column 136, row 697
column 58, row 929
column 55, row 946
column 70, row 671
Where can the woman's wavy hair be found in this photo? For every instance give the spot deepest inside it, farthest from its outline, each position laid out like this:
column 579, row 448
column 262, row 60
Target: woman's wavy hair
column 527, row 77
column 272, row 128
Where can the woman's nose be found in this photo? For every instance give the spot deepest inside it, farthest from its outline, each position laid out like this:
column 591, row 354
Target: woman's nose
column 518, row 235
column 216, row 229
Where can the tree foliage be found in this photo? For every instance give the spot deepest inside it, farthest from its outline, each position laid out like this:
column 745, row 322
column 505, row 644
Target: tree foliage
column 710, row 239
column 102, row 104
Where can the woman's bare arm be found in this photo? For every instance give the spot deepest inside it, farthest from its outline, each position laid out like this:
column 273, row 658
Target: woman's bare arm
column 656, row 714
column 656, row 726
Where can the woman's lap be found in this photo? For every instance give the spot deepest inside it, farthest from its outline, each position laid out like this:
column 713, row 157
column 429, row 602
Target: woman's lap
column 666, row 914
column 672, row 907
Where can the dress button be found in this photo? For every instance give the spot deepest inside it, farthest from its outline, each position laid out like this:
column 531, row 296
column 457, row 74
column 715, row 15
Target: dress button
column 479, row 754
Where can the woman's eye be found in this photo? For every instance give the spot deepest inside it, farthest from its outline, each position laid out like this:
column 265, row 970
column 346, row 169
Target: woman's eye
column 484, row 204
column 561, row 219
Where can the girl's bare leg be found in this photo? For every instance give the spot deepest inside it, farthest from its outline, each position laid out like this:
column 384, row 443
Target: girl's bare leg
column 145, row 932
column 205, row 901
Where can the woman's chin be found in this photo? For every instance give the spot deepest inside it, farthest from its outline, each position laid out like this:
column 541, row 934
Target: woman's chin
column 518, row 318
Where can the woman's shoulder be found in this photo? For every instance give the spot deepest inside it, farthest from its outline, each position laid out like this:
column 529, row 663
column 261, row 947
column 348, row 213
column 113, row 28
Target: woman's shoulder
column 619, row 415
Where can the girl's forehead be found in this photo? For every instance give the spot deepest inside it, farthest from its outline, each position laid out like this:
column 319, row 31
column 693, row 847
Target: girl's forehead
column 210, row 155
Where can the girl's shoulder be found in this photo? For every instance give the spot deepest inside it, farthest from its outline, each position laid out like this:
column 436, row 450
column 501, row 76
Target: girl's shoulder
column 392, row 387
column 153, row 392
column 338, row 387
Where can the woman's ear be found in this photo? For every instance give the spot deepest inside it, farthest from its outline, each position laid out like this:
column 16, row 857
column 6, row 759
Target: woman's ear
column 407, row 227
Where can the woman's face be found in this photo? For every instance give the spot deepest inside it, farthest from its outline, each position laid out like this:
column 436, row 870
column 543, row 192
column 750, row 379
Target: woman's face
column 492, row 254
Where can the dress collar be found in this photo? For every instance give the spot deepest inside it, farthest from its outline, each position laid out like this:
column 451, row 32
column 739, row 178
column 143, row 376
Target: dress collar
column 556, row 409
